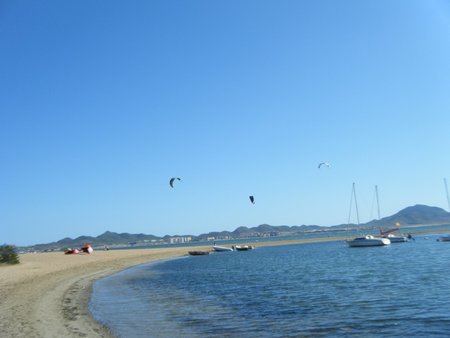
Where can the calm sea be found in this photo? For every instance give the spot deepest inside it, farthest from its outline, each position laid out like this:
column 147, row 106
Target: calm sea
column 307, row 290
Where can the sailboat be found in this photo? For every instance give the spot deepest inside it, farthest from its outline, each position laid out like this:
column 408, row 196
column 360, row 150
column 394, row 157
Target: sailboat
column 392, row 237
column 447, row 237
column 367, row 240
column 389, row 233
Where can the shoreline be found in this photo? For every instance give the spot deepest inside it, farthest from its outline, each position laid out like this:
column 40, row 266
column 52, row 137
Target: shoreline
column 48, row 294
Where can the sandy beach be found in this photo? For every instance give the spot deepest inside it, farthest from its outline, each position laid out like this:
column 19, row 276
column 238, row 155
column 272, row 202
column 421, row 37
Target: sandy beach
column 47, row 294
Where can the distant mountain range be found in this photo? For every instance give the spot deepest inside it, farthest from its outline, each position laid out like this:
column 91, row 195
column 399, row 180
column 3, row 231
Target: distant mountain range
column 414, row 215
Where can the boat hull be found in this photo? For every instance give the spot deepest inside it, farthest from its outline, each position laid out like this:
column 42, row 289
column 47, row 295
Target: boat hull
column 367, row 241
column 243, row 247
column 198, row 253
column 397, row 239
column 218, row 248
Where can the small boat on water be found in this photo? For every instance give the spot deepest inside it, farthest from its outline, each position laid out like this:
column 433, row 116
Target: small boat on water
column 219, row 248
column 243, row 247
column 444, row 238
column 393, row 238
column 367, row 240
column 396, row 238
column 198, row 253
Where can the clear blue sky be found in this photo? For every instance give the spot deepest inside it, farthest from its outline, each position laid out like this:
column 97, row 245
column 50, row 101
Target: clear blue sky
column 102, row 102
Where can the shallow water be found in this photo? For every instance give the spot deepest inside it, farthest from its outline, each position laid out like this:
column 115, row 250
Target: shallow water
column 317, row 289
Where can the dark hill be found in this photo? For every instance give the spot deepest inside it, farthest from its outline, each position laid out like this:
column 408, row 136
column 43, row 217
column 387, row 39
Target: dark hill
column 414, row 215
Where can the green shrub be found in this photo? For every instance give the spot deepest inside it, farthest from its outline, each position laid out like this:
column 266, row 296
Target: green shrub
column 8, row 255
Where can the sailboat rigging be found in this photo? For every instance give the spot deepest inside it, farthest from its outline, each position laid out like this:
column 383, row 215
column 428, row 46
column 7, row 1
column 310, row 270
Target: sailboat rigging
column 446, row 190
column 447, row 237
column 367, row 240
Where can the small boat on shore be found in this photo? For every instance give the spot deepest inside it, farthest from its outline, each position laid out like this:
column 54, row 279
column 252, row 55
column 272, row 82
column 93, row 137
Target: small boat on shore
column 198, row 253
column 219, row 248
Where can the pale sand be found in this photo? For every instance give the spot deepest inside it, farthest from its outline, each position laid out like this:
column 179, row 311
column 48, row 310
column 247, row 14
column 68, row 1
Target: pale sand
column 47, row 294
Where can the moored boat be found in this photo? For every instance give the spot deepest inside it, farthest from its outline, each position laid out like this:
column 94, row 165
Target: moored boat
column 367, row 240
column 198, row 253
column 389, row 233
column 396, row 238
column 219, row 248
column 243, row 247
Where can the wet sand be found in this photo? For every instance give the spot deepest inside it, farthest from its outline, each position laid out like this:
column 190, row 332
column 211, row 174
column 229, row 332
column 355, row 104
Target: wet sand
column 47, row 294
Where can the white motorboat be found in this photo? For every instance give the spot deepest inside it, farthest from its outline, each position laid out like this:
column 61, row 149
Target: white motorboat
column 396, row 238
column 219, row 248
column 367, row 240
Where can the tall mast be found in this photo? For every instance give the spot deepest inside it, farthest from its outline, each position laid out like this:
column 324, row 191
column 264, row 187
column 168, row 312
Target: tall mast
column 353, row 196
column 356, row 203
column 446, row 190
column 378, row 201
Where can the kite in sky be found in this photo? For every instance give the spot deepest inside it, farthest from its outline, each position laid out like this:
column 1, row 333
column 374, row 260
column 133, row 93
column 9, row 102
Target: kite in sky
column 173, row 180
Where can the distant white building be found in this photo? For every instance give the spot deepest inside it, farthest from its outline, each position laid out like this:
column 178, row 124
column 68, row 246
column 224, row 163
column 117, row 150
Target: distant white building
column 182, row 239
